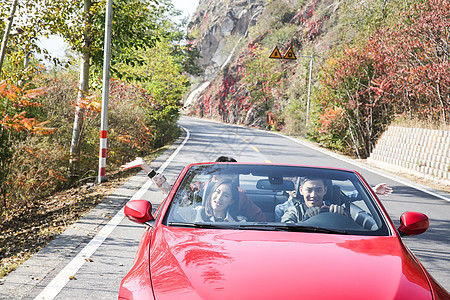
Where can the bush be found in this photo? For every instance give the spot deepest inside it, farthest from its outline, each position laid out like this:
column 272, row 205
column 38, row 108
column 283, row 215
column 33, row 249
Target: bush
column 37, row 165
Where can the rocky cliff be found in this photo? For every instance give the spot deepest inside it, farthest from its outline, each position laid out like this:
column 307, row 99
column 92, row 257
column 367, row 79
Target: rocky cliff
column 219, row 26
column 216, row 29
column 235, row 38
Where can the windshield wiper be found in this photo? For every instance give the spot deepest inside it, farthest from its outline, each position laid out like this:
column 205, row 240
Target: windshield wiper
column 203, row 225
column 259, row 226
column 304, row 228
column 226, row 225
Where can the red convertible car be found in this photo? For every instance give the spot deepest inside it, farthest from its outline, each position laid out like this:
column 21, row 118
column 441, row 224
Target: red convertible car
column 267, row 231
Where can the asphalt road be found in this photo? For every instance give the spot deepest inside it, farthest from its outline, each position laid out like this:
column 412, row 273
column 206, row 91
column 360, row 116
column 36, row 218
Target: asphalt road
column 89, row 260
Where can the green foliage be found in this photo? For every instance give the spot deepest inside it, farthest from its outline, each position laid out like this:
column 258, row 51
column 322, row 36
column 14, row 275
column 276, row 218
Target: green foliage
column 272, row 20
column 262, row 77
column 32, row 20
column 161, row 77
column 135, row 26
column 194, row 32
column 280, row 36
column 361, row 18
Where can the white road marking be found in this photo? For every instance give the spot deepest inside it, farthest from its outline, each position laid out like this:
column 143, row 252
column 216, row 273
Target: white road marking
column 69, row 271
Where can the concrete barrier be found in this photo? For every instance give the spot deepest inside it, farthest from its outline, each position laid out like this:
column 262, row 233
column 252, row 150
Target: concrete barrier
column 421, row 152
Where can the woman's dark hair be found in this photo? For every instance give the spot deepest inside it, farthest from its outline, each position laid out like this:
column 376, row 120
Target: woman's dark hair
column 232, row 209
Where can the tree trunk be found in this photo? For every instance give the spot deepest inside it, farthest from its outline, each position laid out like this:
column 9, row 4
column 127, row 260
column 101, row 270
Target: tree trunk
column 83, row 90
column 6, row 35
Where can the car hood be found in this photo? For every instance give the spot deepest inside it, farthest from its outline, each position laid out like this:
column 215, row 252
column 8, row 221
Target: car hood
column 190, row 263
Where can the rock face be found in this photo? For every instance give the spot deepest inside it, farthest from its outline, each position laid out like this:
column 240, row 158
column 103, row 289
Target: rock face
column 240, row 84
column 218, row 26
column 223, row 23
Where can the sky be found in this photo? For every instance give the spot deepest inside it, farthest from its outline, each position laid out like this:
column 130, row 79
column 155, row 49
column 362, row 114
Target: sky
column 187, row 6
column 56, row 46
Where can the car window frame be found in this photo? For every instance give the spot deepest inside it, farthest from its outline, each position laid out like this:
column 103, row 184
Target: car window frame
column 384, row 230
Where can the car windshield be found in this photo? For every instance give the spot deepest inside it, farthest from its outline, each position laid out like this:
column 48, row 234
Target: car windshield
column 277, row 198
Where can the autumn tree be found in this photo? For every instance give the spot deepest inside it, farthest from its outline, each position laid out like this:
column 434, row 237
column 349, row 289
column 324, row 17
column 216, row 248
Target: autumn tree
column 133, row 27
column 28, row 21
column 17, row 117
column 81, row 24
column 160, row 76
column 413, row 57
column 346, row 93
column 400, row 68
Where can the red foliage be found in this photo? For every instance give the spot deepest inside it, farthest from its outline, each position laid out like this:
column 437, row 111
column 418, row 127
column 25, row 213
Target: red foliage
column 326, row 120
column 403, row 68
column 21, row 99
column 414, row 57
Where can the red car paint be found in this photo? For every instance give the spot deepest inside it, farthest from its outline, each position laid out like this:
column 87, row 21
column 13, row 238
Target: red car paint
column 193, row 263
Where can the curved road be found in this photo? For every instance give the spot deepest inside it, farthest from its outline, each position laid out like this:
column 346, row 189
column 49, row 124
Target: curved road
column 89, row 260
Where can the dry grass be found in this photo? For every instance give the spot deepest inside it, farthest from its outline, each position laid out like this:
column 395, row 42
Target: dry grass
column 415, row 123
column 27, row 231
column 31, row 229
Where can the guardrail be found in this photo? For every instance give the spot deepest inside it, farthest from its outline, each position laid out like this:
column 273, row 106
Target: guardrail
column 420, row 152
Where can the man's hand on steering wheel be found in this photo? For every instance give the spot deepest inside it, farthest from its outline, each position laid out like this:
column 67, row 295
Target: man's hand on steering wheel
column 337, row 209
column 312, row 211
column 333, row 208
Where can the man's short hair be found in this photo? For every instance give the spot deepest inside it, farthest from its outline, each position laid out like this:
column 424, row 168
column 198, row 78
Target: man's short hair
column 225, row 159
column 303, row 180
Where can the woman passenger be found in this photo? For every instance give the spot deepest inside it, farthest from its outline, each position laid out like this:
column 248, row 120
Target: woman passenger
column 222, row 204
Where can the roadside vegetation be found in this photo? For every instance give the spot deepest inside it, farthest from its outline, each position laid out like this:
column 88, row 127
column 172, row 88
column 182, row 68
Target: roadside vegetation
column 375, row 63
column 50, row 117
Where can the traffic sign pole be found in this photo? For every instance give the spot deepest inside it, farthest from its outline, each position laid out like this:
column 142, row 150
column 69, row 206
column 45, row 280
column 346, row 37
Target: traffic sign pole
column 290, row 55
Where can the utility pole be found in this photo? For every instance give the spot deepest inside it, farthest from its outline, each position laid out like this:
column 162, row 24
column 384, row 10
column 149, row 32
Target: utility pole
column 309, row 85
column 105, row 95
column 309, row 89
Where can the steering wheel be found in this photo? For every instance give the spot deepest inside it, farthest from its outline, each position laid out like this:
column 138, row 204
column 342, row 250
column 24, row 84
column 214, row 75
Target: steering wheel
column 324, row 209
column 331, row 220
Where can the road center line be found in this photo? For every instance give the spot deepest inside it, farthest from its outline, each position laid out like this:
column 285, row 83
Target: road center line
column 63, row 277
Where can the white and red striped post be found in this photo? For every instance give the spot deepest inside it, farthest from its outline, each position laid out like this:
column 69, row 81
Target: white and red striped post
column 102, row 156
column 105, row 95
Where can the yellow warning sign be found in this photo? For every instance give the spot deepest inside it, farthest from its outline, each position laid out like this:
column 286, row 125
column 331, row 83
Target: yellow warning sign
column 276, row 54
column 290, row 54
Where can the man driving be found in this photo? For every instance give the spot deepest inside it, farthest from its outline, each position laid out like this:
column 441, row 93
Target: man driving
column 313, row 190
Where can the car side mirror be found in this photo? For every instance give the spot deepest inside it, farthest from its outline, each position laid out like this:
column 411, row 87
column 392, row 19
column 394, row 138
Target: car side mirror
column 413, row 223
column 139, row 211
